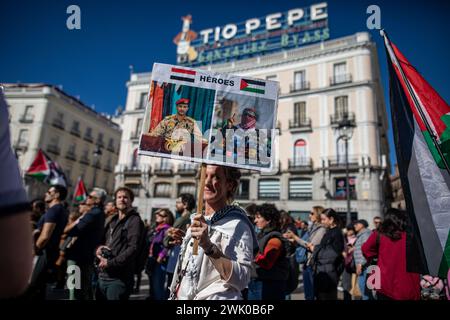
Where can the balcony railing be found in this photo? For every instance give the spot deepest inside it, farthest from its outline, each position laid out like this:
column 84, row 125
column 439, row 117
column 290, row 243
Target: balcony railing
column 187, row 169
column 58, row 123
column 300, row 165
column 84, row 160
column 340, row 79
column 21, row 145
column 53, row 149
column 108, row 168
column 299, row 86
column 75, row 131
column 338, row 163
column 164, row 170
column 300, row 124
column 88, row 137
column 132, row 170
column 71, row 155
column 135, row 135
column 269, row 195
column 26, row 118
column 100, row 143
column 339, row 118
column 111, row 148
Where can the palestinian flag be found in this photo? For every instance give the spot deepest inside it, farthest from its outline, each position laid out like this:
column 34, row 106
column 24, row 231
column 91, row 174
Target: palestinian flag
column 80, row 194
column 421, row 122
column 253, row 86
column 46, row 170
column 39, row 169
column 182, row 75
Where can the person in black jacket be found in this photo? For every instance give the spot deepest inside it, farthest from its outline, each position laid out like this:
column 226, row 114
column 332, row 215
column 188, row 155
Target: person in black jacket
column 328, row 261
column 86, row 234
column 117, row 259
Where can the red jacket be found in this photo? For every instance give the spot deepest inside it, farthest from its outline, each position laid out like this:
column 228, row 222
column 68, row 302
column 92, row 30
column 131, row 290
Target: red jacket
column 396, row 283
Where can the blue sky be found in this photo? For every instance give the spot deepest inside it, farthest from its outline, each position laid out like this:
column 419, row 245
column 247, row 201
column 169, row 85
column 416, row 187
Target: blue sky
column 93, row 62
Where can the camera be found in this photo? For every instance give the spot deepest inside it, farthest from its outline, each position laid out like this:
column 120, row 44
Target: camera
column 104, row 253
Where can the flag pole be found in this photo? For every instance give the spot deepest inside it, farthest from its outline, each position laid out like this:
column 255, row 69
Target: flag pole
column 392, row 56
column 201, row 186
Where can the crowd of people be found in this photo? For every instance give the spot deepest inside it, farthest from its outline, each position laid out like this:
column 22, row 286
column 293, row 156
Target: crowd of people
column 253, row 253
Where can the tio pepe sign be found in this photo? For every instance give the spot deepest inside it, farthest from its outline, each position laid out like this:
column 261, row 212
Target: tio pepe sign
column 256, row 36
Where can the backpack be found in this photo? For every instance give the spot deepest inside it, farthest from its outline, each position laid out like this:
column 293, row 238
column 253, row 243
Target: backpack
column 293, row 268
column 301, row 253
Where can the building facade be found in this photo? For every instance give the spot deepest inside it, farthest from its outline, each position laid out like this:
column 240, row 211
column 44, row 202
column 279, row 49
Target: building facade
column 398, row 198
column 83, row 142
column 320, row 85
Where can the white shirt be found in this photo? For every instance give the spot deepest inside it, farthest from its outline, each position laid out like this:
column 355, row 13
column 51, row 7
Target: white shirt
column 202, row 281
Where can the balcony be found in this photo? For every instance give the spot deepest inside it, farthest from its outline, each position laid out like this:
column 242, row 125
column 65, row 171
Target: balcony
column 111, row 148
column 27, row 118
column 53, row 149
column 340, row 79
column 108, row 168
column 338, row 163
column 135, row 135
column 84, row 160
column 164, row 170
column 75, row 131
column 300, row 165
column 88, row 138
column 21, row 145
column 58, row 123
column 342, row 118
column 100, row 143
column 299, row 86
column 300, row 125
column 71, row 155
column 187, row 169
column 132, row 171
column 269, row 196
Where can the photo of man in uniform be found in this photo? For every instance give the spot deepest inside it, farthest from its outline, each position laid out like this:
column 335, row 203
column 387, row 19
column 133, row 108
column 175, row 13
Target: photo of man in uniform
column 169, row 138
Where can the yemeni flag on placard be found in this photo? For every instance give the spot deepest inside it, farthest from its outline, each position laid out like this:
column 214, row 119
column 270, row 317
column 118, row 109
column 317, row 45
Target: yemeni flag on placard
column 39, row 168
column 421, row 122
column 80, row 194
column 253, row 86
column 182, row 75
column 46, row 170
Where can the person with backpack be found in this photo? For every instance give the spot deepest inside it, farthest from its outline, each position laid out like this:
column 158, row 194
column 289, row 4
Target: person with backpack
column 328, row 261
column 272, row 266
column 117, row 258
column 158, row 255
column 303, row 255
column 388, row 244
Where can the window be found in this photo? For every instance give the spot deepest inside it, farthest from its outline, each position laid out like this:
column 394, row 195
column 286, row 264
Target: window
column 340, row 72
column 243, row 191
column 138, row 128
column 340, row 185
column 272, row 77
column 100, row 139
column 186, row 188
column 88, row 133
column 341, row 106
column 165, row 164
column 28, row 114
column 75, row 128
column 269, row 189
column 142, row 100
column 23, row 137
column 162, row 190
column 135, row 187
column 299, row 80
column 111, row 144
column 300, row 152
column 300, row 189
column 300, row 112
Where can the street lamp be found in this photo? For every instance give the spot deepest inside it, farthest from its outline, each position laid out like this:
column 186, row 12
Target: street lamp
column 345, row 132
column 97, row 153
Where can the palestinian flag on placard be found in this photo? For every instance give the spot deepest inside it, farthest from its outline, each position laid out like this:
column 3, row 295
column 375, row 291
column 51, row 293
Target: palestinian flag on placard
column 80, row 194
column 254, row 86
column 39, row 168
column 182, row 74
column 46, row 170
column 421, row 122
